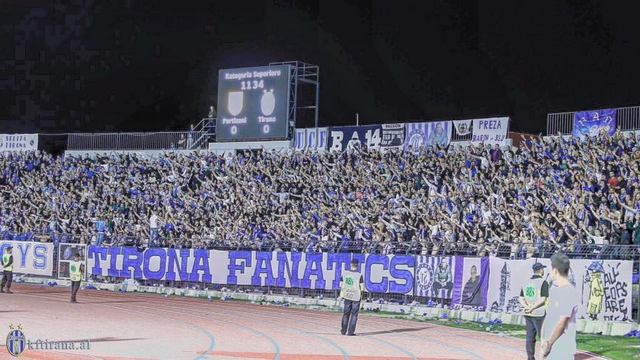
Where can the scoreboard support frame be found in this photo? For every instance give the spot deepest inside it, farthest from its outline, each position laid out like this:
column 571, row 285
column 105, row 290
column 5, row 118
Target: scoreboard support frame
column 307, row 74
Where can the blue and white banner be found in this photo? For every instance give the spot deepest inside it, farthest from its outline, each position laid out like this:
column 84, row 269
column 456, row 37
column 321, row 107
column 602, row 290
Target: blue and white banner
column 471, row 283
column 347, row 137
column 30, row 257
column 434, row 276
column 490, row 130
column 18, row 142
column 300, row 139
column 311, row 139
column 316, row 138
column 427, row 134
column 382, row 273
column 593, row 123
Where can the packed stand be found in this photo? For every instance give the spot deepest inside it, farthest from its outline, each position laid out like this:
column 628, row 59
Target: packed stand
column 546, row 195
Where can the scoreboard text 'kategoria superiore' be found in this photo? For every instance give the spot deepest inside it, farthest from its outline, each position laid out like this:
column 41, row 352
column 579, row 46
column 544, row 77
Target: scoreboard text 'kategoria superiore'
column 253, row 103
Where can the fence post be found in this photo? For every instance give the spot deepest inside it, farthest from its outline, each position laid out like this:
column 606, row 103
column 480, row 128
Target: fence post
column 637, row 261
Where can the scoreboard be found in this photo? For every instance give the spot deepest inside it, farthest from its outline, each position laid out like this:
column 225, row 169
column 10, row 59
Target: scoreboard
column 253, row 103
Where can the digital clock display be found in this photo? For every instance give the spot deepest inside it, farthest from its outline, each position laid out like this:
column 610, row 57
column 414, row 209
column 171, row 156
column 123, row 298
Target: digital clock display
column 253, row 103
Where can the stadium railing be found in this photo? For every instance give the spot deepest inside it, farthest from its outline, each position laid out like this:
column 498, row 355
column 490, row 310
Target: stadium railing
column 627, row 119
column 136, row 141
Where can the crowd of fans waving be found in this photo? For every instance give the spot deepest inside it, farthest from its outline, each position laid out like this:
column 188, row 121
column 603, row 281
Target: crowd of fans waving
column 545, row 195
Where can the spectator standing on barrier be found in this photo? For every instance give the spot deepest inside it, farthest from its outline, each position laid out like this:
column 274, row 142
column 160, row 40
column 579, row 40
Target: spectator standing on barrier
column 153, row 229
column 559, row 328
column 351, row 288
column 533, row 297
column 7, row 276
column 76, row 271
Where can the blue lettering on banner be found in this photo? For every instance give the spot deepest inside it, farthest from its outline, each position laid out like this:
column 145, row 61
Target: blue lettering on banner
column 132, row 259
column 401, row 274
column 291, row 268
column 314, row 268
column 491, row 124
column 201, row 264
column 379, row 260
column 40, row 257
column 97, row 254
column 263, row 266
column 174, row 264
column 113, row 255
column 23, row 248
column 149, row 273
column 234, row 256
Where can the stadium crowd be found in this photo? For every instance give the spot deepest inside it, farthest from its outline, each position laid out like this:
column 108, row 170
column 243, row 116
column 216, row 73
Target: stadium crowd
column 544, row 195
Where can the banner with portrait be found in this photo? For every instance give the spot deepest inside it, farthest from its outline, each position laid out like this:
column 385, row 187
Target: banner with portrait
column 595, row 122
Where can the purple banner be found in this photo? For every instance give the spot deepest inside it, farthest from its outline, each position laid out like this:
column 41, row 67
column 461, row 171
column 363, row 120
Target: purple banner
column 593, row 123
column 471, row 283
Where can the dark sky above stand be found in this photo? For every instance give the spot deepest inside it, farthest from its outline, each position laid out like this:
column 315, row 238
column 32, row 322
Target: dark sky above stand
column 99, row 65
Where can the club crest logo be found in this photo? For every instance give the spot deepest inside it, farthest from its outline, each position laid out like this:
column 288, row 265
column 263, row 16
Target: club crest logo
column 16, row 341
column 424, row 276
column 267, row 102
column 235, row 102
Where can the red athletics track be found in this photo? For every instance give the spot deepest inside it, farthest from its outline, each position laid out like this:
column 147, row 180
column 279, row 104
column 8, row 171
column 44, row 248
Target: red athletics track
column 147, row 326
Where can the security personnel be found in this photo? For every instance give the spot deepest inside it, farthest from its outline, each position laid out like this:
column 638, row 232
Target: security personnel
column 351, row 288
column 7, row 264
column 533, row 297
column 76, row 270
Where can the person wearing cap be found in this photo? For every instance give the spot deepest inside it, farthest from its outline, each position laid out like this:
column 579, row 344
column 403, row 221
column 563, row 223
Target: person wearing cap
column 559, row 327
column 7, row 274
column 76, row 270
column 533, row 296
column 351, row 288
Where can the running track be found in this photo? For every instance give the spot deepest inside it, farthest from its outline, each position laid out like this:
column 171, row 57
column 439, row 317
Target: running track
column 136, row 326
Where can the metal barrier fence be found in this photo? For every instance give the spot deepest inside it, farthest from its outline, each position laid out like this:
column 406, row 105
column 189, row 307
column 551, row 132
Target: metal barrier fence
column 627, row 119
column 135, row 141
column 426, row 247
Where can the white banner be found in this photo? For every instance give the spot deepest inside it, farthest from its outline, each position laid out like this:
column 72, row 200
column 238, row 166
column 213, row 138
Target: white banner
column 316, row 138
column 463, row 127
column 604, row 286
column 300, row 139
column 18, row 142
column 382, row 273
column 311, row 139
column 30, row 257
column 490, row 130
column 392, row 136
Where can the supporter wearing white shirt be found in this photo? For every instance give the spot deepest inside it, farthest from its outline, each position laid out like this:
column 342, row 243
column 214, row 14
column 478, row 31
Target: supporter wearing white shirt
column 153, row 228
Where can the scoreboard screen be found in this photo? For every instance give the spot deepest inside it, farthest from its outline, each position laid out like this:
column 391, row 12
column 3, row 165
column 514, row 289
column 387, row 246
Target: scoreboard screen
column 253, row 103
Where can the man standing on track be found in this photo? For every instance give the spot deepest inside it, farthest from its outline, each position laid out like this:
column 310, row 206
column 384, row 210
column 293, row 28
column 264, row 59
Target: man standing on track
column 7, row 264
column 351, row 288
column 559, row 328
column 76, row 270
column 533, row 296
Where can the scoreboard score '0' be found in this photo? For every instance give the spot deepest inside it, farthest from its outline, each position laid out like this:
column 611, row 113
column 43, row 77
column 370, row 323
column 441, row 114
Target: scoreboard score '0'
column 253, row 103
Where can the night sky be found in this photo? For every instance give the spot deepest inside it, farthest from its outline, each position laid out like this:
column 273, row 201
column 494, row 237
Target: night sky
column 152, row 65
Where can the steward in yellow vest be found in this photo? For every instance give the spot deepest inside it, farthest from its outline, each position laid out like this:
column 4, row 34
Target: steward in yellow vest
column 76, row 272
column 7, row 274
